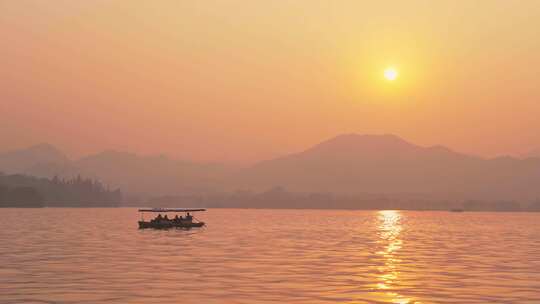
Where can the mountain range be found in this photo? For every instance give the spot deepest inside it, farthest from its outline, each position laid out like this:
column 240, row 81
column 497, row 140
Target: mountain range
column 346, row 164
column 133, row 173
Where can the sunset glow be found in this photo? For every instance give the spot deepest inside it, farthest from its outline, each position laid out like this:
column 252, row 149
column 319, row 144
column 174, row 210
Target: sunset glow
column 255, row 151
column 170, row 71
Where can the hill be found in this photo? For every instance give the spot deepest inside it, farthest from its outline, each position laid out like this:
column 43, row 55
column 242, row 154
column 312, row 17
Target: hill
column 348, row 164
column 153, row 174
column 387, row 164
column 25, row 160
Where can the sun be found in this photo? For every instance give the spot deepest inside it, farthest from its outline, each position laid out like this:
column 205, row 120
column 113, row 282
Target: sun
column 390, row 74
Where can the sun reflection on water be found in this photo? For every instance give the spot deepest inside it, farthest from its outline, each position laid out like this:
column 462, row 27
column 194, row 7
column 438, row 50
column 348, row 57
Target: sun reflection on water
column 389, row 231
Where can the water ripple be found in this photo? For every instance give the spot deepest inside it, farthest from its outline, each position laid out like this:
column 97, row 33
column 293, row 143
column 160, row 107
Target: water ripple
column 262, row 256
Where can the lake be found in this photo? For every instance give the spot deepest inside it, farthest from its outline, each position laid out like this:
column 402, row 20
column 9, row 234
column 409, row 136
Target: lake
column 261, row 256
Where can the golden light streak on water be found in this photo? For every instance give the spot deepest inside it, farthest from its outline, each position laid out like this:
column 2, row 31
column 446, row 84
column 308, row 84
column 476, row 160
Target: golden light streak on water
column 389, row 232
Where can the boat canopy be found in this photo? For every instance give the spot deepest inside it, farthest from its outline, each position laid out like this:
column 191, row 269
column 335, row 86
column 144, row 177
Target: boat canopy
column 171, row 209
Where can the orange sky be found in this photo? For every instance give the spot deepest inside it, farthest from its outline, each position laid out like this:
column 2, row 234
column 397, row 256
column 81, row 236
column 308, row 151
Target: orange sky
column 249, row 80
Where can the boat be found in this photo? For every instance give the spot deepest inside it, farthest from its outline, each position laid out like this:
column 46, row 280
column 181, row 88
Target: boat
column 164, row 222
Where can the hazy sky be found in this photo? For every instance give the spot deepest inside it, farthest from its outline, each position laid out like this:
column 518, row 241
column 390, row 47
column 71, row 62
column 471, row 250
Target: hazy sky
column 248, row 80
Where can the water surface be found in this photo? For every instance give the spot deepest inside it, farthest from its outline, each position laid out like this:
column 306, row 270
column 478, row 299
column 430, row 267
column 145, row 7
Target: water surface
column 261, row 256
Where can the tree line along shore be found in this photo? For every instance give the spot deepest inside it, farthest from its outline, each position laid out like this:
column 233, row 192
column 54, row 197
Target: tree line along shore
column 18, row 190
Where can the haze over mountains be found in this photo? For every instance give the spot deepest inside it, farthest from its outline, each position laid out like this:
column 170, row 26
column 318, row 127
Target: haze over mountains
column 387, row 164
column 133, row 173
column 348, row 164
column 30, row 159
column 535, row 153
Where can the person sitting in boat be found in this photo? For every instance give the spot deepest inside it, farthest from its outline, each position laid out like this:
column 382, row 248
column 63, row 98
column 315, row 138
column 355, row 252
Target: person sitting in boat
column 176, row 219
column 189, row 217
column 159, row 217
column 166, row 218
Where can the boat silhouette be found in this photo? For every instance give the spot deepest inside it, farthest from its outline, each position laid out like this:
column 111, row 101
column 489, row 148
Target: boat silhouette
column 164, row 222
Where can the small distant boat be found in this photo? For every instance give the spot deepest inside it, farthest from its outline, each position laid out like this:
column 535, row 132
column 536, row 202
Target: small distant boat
column 457, row 210
column 164, row 222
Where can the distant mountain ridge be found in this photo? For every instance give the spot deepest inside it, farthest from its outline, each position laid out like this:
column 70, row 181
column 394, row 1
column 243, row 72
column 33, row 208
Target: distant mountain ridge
column 131, row 172
column 346, row 164
column 387, row 164
column 19, row 161
column 153, row 174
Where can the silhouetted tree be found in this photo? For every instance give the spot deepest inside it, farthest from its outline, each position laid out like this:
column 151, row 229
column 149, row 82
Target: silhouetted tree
column 18, row 190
